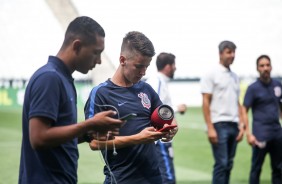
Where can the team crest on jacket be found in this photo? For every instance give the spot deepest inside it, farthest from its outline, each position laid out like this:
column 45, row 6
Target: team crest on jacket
column 145, row 100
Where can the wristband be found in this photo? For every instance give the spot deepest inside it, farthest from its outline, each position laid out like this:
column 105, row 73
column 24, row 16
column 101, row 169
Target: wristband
column 87, row 137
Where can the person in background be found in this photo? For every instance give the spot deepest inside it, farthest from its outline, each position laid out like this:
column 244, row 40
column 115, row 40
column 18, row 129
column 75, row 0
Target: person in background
column 50, row 134
column 130, row 157
column 222, row 112
column 264, row 97
column 166, row 67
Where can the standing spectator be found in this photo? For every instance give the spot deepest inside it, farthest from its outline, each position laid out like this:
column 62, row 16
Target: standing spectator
column 166, row 67
column 49, row 151
column 264, row 97
column 135, row 160
column 222, row 112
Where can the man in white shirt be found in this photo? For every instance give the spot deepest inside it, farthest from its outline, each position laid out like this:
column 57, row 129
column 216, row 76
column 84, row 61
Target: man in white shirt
column 222, row 112
column 166, row 67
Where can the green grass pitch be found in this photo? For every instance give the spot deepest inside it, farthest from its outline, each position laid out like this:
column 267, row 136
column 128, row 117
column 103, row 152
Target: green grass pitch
column 193, row 157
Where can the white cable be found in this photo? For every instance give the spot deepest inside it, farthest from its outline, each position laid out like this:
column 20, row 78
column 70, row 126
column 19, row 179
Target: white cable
column 106, row 105
column 114, row 146
column 113, row 179
column 106, row 161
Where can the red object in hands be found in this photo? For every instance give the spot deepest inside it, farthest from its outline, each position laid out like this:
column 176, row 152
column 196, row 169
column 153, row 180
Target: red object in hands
column 167, row 128
column 162, row 115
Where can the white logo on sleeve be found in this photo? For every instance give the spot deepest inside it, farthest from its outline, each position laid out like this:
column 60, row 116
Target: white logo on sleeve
column 121, row 103
column 277, row 91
